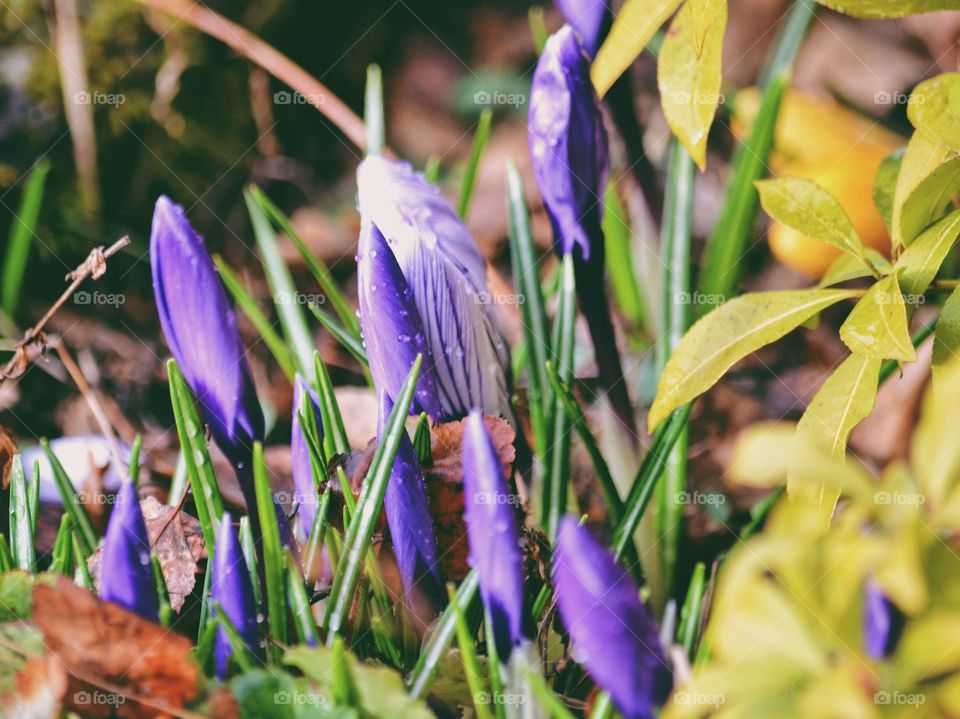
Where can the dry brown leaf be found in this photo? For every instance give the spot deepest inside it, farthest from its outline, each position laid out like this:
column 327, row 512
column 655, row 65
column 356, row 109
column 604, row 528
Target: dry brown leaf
column 39, row 689
column 103, row 645
column 178, row 543
column 8, row 448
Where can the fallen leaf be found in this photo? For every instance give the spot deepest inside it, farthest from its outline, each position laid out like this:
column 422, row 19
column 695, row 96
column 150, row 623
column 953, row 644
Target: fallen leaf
column 177, row 540
column 39, row 689
column 146, row 668
column 8, row 448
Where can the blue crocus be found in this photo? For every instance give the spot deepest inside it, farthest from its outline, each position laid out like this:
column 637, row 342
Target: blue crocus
column 304, row 400
column 126, row 577
column 446, row 275
column 613, row 634
column 411, row 525
column 393, row 333
column 589, row 18
column 230, row 587
column 568, row 146
column 882, row 623
column 494, row 537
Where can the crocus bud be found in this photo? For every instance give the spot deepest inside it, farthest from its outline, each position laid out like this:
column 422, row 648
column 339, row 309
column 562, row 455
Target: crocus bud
column 612, row 632
column 392, row 329
column 882, row 623
column 230, row 587
column 411, row 525
column 494, row 537
column 589, row 18
column 568, row 145
column 304, row 400
column 126, row 577
column 447, row 278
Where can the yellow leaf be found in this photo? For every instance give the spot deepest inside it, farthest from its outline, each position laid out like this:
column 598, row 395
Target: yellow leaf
column 946, row 341
column 874, row 9
column 850, row 267
column 919, row 263
column 934, row 109
column 632, row 29
column 704, row 13
column 922, row 157
column 935, row 452
column 729, row 333
column 877, row 326
column 690, row 83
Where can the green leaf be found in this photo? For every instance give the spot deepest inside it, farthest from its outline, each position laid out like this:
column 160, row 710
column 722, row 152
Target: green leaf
column 844, row 400
column 934, row 106
column 689, row 81
column 468, row 654
column 617, row 243
column 877, row 325
column 934, row 451
column 809, row 209
column 874, row 9
column 722, row 265
column 334, row 434
column 929, row 199
column 381, row 691
column 690, row 615
column 632, row 29
column 480, row 138
column 72, row 504
column 920, row 262
column 22, row 231
column 273, row 562
column 423, row 442
column 21, row 521
column 850, row 267
column 885, row 184
column 303, row 620
column 921, row 158
column 373, row 115
column 351, row 343
column 729, row 333
column 946, row 345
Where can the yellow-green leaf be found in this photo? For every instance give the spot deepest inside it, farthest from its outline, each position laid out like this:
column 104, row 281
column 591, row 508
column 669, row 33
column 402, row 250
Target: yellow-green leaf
column 850, row 267
column 946, row 340
column 935, row 452
column 844, row 400
column 877, row 326
column 632, row 29
column 703, row 14
column 809, row 209
column 919, row 263
column 729, row 333
column 690, row 83
column 874, row 9
column 934, row 108
column 929, row 199
column 885, row 184
column 922, row 157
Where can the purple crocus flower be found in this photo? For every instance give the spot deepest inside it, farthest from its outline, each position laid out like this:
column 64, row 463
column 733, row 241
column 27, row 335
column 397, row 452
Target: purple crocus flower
column 612, row 632
column 882, row 623
column 304, row 399
column 590, row 18
column 568, row 145
column 446, row 275
column 392, row 330
column 126, row 577
column 494, row 537
column 230, row 587
column 410, row 522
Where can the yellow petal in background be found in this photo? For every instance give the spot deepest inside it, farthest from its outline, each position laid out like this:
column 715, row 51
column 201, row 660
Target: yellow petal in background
column 690, row 83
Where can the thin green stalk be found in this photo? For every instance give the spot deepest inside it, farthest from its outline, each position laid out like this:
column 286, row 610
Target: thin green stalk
column 617, row 242
column 273, row 564
column 81, row 572
column 692, row 608
column 352, row 344
column 134, row 467
column 722, row 264
column 160, row 587
column 468, row 654
column 334, row 434
column 21, row 523
column 549, row 701
column 22, row 231
column 303, row 619
column 480, row 138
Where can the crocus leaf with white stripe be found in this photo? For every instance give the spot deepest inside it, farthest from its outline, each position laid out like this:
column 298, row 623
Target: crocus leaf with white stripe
column 126, row 577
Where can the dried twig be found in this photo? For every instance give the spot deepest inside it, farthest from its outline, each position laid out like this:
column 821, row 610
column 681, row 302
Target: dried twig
column 34, row 341
column 270, row 59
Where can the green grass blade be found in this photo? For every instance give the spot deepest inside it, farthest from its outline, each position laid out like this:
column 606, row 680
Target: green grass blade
column 431, row 170
column 250, row 557
column 196, row 456
column 285, row 296
column 72, row 503
column 273, row 563
column 423, row 442
column 317, row 535
column 494, row 670
column 557, row 476
column 357, row 540
column 480, row 138
column 134, row 466
column 692, row 607
column 6, row 558
column 350, row 342
column 316, row 266
column 526, row 274
column 549, row 701
column 334, row 434
column 160, row 587
column 261, row 323
column 33, row 499
column 81, row 572
column 617, row 242
column 677, row 228
column 538, row 28
column 722, row 265
column 343, row 686
column 303, row 619
column 373, row 115
column 62, row 556
column 22, row 232
column 240, row 653
column 468, row 653
column 21, row 523
column 602, row 707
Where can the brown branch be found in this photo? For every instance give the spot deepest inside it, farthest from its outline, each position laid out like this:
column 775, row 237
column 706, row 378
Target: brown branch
column 94, row 266
column 270, row 59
